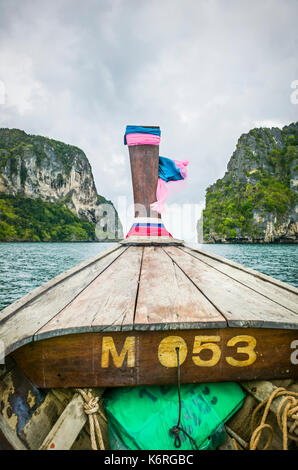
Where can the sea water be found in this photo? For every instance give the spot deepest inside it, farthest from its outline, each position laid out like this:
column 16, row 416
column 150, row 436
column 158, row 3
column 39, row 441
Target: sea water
column 25, row 266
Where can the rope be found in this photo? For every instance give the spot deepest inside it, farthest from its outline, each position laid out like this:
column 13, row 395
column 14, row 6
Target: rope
column 287, row 410
column 175, row 430
column 91, row 408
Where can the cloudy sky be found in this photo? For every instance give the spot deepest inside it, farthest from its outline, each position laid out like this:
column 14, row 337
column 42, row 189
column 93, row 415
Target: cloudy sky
column 206, row 71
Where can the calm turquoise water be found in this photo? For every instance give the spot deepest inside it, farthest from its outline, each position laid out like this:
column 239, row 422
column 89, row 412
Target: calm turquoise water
column 24, row 266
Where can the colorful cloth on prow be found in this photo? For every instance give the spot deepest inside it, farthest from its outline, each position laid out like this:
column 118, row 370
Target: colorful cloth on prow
column 150, row 227
column 172, row 177
column 139, row 135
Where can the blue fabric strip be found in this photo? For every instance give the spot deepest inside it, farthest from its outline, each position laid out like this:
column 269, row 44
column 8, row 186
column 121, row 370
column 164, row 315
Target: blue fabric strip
column 168, row 171
column 140, row 130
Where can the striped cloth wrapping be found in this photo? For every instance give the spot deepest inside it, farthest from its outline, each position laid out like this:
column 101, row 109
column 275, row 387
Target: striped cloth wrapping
column 148, row 229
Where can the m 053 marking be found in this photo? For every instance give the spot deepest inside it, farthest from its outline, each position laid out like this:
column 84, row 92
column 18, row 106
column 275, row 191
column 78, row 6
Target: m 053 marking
column 167, row 354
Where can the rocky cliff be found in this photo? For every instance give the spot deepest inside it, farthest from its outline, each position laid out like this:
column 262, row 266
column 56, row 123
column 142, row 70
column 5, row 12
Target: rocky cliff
column 46, row 170
column 256, row 200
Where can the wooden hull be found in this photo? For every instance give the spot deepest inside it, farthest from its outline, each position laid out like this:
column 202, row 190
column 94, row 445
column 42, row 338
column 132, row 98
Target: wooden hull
column 149, row 357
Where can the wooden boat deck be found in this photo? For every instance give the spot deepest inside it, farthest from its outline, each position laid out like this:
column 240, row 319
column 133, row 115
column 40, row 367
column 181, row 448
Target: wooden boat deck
column 150, row 288
column 131, row 297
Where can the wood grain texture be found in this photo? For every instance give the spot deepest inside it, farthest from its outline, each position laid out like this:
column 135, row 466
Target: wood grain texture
column 107, row 303
column 240, row 305
column 19, row 399
column 67, row 427
column 9, row 438
column 167, row 299
column 70, row 423
column 144, row 161
column 19, row 328
column 240, row 267
column 213, row 355
column 272, row 291
column 42, row 421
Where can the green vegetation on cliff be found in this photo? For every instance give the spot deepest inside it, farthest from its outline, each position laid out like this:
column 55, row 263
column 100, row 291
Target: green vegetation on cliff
column 14, row 143
column 257, row 187
column 35, row 220
column 48, row 193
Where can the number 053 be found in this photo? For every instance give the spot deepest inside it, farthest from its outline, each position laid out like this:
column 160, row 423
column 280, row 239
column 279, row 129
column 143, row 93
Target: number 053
column 209, row 342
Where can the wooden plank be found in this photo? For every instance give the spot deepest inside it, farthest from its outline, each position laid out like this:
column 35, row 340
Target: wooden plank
column 19, row 399
column 10, row 435
column 129, row 358
column 240, row 267
column 67, row 427
column 7, row 366
column 69, row 424
column 167, row 299
column 4, row 443
column 272, row 291
column 42, row 421
column 108, row 303
column 240, row 305
column 82, row 441
column 64, row 395
column 19, row 329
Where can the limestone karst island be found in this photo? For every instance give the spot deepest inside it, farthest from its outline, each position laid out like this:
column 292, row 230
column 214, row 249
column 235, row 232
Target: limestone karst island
column 47, row 191
column 256, row 200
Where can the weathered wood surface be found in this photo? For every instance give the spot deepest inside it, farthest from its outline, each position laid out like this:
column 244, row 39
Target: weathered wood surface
column 149, row 357
column 239, row 304
column 69, row 424
column 240, row 267
column 67, row 427
column 36, row 311
column 82, row 441
column 168, row 300
column 41, row 422
column 107, row 303
column 19, row 399
column 144, row 161
column 278, row 293
column 28, row 417
column 10, row 437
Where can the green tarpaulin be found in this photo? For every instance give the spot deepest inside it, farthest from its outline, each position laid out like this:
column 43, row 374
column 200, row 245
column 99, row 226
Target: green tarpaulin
column 140, row 418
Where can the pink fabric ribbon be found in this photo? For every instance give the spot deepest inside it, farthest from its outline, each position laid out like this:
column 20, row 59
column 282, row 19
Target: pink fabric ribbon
column 142, row 139
column 166, row 189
